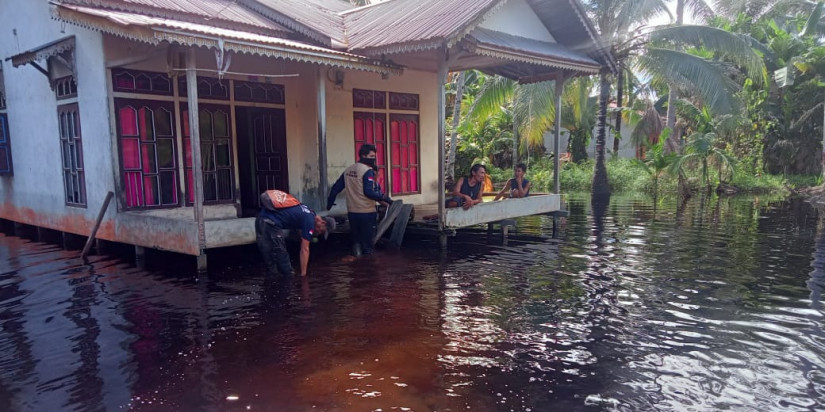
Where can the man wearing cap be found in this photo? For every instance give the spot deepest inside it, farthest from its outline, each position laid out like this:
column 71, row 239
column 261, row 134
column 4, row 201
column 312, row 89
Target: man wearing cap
column 279, row 211
column 359, row 184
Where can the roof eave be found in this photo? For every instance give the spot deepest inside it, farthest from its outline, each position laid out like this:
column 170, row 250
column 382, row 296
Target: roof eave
column 155, row 35
column 531, row 58
column 44, row 51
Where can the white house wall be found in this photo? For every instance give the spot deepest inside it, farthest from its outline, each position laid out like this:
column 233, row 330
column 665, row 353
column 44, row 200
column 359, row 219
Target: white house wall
column 626, row 148
column 300, row 106
column 35, row 194
column 518, row 18
column 340, row 136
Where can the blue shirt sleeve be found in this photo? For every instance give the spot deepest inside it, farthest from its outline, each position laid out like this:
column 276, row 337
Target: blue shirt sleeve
column 336, row 188
column 308, row 226
column 371, row 188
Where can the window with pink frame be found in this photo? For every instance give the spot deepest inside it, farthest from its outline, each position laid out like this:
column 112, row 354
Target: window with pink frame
column 146, row 136
column 403, row 129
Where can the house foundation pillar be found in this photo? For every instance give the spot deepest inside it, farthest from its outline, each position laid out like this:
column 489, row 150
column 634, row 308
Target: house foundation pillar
column 140, row 257
column 200, row 262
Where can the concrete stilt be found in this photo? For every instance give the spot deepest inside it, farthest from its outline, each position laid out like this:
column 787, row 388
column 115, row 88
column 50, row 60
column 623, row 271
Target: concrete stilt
column 442, row 240
column 100, row 247
column 19, row 229
column 201, row 262
column 140, row 257
column 42, row 235
column 65, row 240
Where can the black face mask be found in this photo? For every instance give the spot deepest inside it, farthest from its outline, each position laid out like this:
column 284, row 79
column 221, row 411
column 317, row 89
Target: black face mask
column 367, row 161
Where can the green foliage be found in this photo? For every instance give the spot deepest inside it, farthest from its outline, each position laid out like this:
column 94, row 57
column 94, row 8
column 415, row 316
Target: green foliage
column 657, row 161
column 702, row 151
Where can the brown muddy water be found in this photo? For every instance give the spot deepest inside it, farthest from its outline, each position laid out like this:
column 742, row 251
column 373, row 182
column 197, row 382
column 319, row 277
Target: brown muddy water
column 710, row 305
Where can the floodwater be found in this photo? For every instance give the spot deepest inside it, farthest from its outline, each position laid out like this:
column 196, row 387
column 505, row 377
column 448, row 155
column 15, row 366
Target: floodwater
column 713, row 304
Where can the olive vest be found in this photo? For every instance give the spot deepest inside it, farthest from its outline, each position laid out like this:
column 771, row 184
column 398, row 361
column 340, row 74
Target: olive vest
column 357, row 202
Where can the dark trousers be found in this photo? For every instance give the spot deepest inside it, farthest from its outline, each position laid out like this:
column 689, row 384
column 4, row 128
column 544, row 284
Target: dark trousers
column 270, row 240
column 362, row 226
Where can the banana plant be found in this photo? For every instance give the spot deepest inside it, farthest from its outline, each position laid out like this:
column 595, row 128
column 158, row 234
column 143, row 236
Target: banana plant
column 701, row 150
column 657, row 160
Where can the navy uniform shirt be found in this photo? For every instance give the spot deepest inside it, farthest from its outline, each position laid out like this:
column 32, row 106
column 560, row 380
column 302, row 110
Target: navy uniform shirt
column 298, row 217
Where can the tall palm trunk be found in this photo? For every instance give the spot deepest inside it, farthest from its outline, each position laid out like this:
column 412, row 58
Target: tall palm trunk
column 619, row 96
column 459, row 95
column 601, row 187
column 673, row 141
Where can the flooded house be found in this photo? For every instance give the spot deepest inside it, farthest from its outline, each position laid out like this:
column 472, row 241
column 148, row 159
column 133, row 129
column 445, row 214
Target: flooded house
column 187, row 110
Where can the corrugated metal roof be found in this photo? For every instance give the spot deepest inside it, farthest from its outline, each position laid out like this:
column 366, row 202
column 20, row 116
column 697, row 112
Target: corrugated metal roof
column 421, row 23
column 552, row 52
column 160, row 29
column 317, row 19
column 226, row 13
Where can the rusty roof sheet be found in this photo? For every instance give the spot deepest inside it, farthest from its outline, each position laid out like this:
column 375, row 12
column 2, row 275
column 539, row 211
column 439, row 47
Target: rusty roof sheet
column 412, row 25
column 317, row 19
column 155, row 29
column 222, row 13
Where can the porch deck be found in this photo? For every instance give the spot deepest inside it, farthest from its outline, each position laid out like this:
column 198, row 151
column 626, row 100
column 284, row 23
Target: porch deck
column 490, row 211
column 176, row 230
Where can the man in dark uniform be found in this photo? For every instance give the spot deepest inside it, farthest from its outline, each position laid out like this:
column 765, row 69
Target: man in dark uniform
column 269, row 226
column 359, row 184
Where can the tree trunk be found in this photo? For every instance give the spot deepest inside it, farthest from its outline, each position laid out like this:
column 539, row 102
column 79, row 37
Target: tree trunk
column 601, row 186
column 672, row 145
column 619, row 97
column 822, row 163
column 459, row 94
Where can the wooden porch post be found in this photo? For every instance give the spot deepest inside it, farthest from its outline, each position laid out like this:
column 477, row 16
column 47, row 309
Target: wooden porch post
column 515, row 140
column 197, row 164
column 322, row 136
column 560, row 80
column 442, row 78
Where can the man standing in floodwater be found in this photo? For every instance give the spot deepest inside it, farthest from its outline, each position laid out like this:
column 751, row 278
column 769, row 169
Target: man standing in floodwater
column 362, row 191
column 279, row 211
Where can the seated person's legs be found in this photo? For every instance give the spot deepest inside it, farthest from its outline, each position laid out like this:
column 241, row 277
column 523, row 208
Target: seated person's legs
column 454, row 202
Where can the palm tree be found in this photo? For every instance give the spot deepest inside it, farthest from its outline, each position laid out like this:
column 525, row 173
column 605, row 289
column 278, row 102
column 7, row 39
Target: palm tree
column 618, row 22
column 657, row 160
column 459, row 97
column 701, row 149
column 700, row 9
column 578, row 116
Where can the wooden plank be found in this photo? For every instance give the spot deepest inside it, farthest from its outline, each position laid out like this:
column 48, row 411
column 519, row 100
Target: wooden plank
column 503, row 209
column 100, row 215
column 400, row 226
column 392, row 213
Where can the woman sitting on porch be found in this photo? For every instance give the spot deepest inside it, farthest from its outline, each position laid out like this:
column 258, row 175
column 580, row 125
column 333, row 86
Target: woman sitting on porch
column 518, row 186
column 467, row 191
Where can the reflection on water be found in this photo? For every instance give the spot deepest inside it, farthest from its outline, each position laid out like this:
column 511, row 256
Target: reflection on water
column 708, row 304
